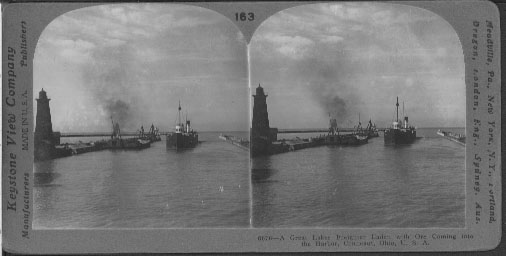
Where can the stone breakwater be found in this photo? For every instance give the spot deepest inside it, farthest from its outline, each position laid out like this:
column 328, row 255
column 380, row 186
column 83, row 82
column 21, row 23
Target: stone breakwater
column 288, row 145
column 240, row 142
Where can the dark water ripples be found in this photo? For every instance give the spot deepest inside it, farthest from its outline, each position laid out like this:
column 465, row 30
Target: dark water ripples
column 207, row 186
column 373, row 185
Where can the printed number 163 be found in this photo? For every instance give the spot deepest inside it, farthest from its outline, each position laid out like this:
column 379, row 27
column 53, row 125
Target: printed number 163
column 242, row 16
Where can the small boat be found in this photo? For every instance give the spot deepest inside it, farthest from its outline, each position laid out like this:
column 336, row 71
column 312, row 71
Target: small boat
column 335, row 138
column 400, row 132
column 117, row 142
column 361, row 139
column 370, row 131
column 183, row 136
column 152, row 135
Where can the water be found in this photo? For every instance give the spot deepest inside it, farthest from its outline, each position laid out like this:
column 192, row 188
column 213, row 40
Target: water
column 419, row 185
column 373, row 185
column 207, row 186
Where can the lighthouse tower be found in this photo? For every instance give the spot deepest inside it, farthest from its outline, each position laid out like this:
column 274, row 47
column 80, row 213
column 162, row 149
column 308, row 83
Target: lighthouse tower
column 261, row 134
column 43, row 139
column 260, row 122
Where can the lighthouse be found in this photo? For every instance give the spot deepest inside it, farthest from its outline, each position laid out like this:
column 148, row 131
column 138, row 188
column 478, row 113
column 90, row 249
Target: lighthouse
column 44, row 140
column 262, row 135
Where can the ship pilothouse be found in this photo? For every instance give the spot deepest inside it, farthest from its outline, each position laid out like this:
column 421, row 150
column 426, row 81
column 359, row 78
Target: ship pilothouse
column 183, row 136
column 400, row 132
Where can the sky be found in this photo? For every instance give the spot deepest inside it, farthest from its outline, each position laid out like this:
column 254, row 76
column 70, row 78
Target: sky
column 134, row 62
column 346, row 59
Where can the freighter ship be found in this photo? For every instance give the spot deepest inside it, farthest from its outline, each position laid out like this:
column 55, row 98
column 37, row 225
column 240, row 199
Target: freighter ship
column 400, row 132
column 183, row 136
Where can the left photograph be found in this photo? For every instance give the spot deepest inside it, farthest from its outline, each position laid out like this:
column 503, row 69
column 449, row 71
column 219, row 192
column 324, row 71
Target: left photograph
column 135, row 106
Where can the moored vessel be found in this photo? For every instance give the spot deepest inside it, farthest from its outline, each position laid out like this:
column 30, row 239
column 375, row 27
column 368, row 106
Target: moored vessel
column 370, row 131
column 152, row 135
column 400, row 132
column 357, row 137
column 183, row 136
column 117, row 142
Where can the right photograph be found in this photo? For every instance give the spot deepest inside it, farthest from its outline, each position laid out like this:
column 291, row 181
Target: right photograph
column 358, row 118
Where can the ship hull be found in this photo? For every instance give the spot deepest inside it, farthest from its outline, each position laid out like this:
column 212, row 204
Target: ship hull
column 346, row 139
column 400, row 136
column 130, row 143
column 182, row 140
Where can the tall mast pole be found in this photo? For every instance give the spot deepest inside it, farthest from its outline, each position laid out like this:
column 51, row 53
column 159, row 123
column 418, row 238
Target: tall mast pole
column 397, row 112
column 403, row 115
column 179, row 114
column 112, row 127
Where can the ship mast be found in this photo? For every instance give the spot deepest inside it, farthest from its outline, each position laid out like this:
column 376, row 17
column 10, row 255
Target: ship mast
column 403, row 109
column 112, row 135
column 397, row 112
column 179, row 114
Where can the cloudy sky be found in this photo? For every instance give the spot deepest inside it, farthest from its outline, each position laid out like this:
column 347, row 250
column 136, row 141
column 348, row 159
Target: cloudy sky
column 136, row 61
column 352, row 58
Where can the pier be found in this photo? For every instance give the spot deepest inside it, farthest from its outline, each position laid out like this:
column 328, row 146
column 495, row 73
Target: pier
column 344, row 130
column 240, row 142
column 101, row 134
column 264, row 139
column 455, row 137
column 47, row 143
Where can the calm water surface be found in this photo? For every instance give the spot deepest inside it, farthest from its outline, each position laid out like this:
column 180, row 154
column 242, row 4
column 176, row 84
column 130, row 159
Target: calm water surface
column 373, row 185
column 207, row 186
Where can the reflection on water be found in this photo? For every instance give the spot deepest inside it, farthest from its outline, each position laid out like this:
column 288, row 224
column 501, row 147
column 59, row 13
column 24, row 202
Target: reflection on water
column 207, row 186
column 417, row 185
column 373, row 185
column 261, row 170
column 46, row 174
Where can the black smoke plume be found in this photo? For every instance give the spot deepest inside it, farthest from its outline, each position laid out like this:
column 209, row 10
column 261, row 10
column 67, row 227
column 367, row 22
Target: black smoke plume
column 328, row 86
column 119, row 111
column 112, row 84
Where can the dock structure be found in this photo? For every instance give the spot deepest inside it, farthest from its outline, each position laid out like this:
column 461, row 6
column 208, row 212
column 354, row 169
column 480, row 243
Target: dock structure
column 455, row 137
column 262, row 135
column 289, row 145
column 264, row 138
column 320, row 130
column 47, row 144
column 240, row 142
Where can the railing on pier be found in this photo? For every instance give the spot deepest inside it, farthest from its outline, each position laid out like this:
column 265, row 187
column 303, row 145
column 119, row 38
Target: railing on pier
column 101, row 134
column 319, row 130
column 132, row 134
